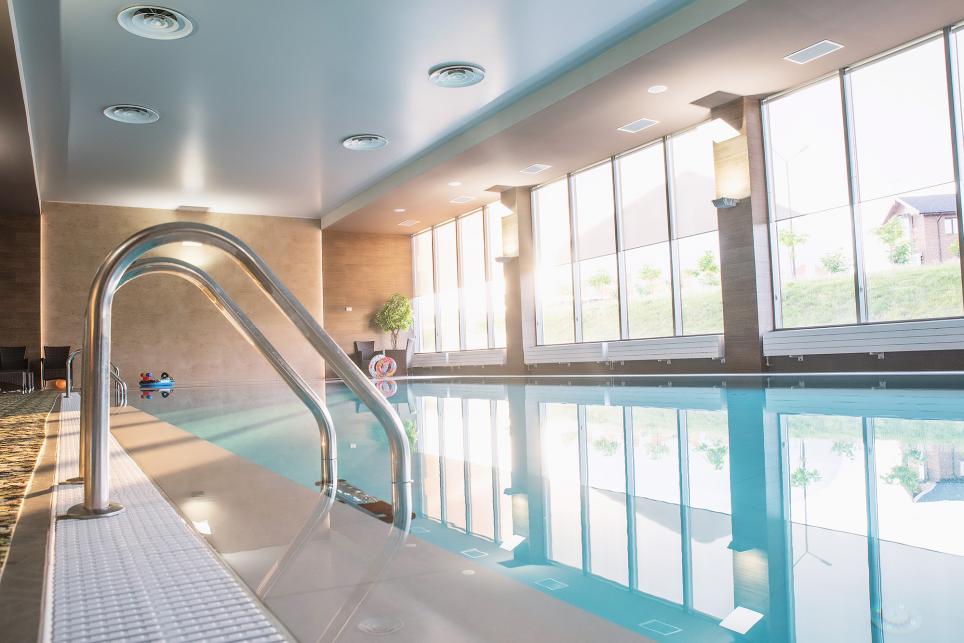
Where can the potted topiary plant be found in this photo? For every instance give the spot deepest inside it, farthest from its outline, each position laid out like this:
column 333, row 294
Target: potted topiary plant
column 395, row 316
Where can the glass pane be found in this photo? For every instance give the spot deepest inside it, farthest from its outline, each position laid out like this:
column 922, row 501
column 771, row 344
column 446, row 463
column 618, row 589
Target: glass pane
column 816, row 269
column 424, row 291
column 472, row 256
column 607, row 493
column 600, row 299
column 555, row 295
column 808, row 160
column 448, row 287
column 649, row 291
column 560, row 456
column 430, row 454
column 656, row 473
column 709, row 460
column 495, row 212
column 694, row 181
column 453, row 441
column 551, row 205
column 595, row 223
column 700, row 293
column 481, row 467
column 642, row 187
column 503, row 454
column 710, row 537
column 906, row 182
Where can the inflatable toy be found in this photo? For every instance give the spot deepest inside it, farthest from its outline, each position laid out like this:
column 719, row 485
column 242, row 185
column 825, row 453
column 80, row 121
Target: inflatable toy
column 382, row 366
column 387, row 387
column 150, row 383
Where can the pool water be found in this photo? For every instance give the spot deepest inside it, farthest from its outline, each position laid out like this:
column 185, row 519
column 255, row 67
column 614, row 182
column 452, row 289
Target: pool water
column 777, row 509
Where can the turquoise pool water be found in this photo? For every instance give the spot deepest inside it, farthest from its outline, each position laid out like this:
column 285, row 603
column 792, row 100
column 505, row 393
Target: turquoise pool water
column 690, row 509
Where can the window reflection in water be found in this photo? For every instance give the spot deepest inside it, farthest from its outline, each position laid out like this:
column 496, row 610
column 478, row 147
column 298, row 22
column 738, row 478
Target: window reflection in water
column 640, row 498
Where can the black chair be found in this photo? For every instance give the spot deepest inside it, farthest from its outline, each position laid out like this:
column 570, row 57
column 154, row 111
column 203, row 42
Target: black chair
column 15, row 368
column 364, row 351
column 53, row 365
column 409, row 354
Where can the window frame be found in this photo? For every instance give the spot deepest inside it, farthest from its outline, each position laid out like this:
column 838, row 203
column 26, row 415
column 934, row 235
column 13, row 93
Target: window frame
column 488, row 256
column 949, row 37
column 622, row 281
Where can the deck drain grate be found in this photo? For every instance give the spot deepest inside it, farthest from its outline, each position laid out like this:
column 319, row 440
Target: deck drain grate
column 551, row 584
column 659, row 627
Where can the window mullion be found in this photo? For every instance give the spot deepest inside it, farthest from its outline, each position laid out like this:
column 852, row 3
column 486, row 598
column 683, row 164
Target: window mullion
column 574, row 263
column 673, row 245
column 853, row 184
column 537, row 251
column 417, row 301
column 957, row 133
column 623, row 301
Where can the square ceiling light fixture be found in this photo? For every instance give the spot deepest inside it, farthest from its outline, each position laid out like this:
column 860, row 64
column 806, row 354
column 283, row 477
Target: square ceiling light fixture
column 814, row 51
column 535, row 168
column 637, row 126
column 463, row 199
column 408, row 223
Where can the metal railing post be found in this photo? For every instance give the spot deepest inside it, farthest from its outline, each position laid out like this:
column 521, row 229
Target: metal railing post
column 94, row 417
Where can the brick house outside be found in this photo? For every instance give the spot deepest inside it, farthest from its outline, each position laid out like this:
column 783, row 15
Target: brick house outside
column 931, row 223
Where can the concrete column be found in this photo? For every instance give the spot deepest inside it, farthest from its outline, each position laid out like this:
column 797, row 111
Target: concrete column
column 517, row 260
column 744, row 237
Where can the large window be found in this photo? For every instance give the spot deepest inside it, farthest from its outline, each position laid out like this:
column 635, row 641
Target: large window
column 619, row 259
column 863, row 201
column 459, row 285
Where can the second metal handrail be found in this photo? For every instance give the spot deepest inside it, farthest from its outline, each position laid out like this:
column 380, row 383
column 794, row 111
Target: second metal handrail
column 244, row 325
column 120, row 386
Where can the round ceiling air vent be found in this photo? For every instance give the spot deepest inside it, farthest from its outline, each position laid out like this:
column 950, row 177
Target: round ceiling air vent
column 134, row 114
column 157, row 23
column 365, row 142
column 454, row 75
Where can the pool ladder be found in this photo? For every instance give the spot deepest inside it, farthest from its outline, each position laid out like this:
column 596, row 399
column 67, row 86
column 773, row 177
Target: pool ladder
column 125, row 264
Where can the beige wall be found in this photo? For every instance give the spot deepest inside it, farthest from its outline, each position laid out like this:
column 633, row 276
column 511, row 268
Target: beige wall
column 362, row 271
column 161, row 322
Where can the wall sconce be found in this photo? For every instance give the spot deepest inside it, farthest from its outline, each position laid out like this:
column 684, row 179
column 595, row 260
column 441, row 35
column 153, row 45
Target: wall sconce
column 725, row 203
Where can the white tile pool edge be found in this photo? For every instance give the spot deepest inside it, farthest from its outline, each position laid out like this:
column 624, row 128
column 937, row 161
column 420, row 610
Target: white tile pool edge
column 142, row 574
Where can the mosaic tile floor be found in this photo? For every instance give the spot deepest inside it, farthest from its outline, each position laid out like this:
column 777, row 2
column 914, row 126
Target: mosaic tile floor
column 22, row 420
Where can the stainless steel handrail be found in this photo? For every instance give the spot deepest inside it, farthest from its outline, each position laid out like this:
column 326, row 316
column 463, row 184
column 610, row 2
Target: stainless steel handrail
column 94, row 420
column 223, row 302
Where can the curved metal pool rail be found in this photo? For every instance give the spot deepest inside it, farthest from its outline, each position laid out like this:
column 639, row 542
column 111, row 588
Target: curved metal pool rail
column 233, row 313
column 94, row 419
column 120, row 385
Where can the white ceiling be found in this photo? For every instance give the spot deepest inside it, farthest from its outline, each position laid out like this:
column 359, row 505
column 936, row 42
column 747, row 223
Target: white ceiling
column 255, row 102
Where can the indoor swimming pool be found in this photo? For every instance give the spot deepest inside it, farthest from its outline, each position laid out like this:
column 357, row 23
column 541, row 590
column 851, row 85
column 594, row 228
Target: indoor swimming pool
column 764, row 509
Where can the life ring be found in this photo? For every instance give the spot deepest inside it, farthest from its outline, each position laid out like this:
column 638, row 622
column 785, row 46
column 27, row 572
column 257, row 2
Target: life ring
column 387, row 387
column 382, row 366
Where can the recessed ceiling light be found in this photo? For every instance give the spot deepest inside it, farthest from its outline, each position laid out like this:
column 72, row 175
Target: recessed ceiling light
column 399, row 210
column 134, row 114
column 463, row 199
column 157, row 23
column 455, row 75
column 408, row 223
column 535, row 168
column 454, row 184
column 657, row 89
column 637, row 126
column 814, row 51
column 365, row 142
